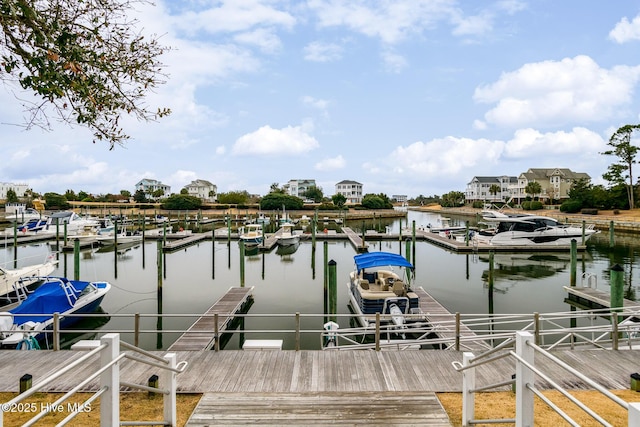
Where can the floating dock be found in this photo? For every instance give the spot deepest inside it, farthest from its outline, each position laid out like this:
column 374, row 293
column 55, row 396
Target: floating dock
column 590, row 298
column 444, row 323
column 200, row 336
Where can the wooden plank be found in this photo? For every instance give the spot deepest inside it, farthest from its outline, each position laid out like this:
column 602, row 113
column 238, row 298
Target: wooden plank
column 444, row 321
column 199, row 336
column 342, row 408
column 595, row 296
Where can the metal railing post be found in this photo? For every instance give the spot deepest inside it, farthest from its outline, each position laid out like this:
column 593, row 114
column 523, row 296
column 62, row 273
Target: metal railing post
column 468, row 383
column 377, row 331
column 216, row 331
column 169, row 382
column 110, row 379
column 634, row 414
column 297, row 331
column 56, row 331
column 524, row 379
column 457, row 331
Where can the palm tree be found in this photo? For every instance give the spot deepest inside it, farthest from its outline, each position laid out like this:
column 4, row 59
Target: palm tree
column 494, row 189
column 533, row 188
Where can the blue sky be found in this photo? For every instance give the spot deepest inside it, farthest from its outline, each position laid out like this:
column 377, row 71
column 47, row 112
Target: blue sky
column 405, row 96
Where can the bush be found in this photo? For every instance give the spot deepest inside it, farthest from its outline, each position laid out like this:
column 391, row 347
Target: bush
column 477, row 204
column 589, row 211
column 535, row 205
column 571, row 206
column 526, row 205
column 616, row 212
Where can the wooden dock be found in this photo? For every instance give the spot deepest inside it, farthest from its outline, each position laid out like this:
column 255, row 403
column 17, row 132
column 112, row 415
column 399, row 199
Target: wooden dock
column 356, row 241
column 200, row 336
column 182, row 242
column 444, row 322
column 293, row 383
column 590, row 298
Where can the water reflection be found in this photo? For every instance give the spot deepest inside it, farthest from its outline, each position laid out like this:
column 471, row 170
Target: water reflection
column 194, row 278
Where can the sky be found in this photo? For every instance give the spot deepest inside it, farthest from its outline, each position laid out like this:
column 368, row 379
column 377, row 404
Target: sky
column 407, row 97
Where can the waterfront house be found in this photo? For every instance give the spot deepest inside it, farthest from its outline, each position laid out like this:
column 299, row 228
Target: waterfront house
column 352, row 190
column 478, row 189
column 149, row 186
column 203, row 190
column 555, row 183
column 297, row 187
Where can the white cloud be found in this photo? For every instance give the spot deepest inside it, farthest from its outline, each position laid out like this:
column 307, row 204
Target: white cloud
column 289, row 141
column 446, row 156
column 552, row 92
column 263, row 38
column 390, row 21
column 179, row 179
column 221, row 150
column 394, row 63
column 625, row 31
column 534, row 144
column 234, row 16
column 322, row 52
column 473, row 25
column 331, row 164
column 320, row 104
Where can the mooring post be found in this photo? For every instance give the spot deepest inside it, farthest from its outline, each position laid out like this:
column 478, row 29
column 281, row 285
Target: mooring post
column 76, row 259
column 325, row 279
column 616, row 274
column 333, row 289
column 15, row 245
column 574, row 262
column 159, row 263
column 584, row 230
column 241, row 243
column 229, row 230
column 377, row 331
column 611, row 235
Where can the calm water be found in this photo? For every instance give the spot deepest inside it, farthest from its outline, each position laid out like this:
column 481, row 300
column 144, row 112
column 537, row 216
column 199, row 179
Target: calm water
column 194, row 278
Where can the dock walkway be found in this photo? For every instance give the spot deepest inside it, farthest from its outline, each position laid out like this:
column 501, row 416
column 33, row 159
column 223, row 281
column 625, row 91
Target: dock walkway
column 286, row 379
column 444, row 322
column 200, row 336
column 593, row 298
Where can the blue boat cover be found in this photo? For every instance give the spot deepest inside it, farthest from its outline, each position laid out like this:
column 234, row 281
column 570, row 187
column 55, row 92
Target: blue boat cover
column 380, row 259
column 47, row 299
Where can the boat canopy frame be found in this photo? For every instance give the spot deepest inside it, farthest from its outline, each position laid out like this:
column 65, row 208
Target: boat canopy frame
column 380, row 259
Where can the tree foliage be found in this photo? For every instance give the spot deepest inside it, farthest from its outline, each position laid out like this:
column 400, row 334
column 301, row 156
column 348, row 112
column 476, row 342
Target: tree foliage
column 274, row 201
column 181, row 202
column 452, row 199
column 84, row 59
column 12, row 197
column 55, row 200
column 376, row 201
column 494, row 189
column 233, row 198
column 339, row 199
column 622, row 147
column 314, row 193
column 533, row 188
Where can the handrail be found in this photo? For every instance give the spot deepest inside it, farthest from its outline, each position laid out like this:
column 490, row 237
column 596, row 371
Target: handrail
column 110, row 352
column 527, row 372
column 552, row 329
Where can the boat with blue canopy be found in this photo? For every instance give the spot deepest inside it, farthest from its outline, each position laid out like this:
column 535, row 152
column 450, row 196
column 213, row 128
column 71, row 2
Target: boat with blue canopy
column 381, row 283
column 23, row 324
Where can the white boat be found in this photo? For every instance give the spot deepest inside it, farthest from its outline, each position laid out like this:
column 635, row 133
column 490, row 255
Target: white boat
column 251, row 234
column 76, row 225
column 123, row 236
column 29, row 227
column 25, row 215
column 374, row 287
column 286, row 235
column 532, row 230
column 445, row 227
column 12, row 280
column 22, row 326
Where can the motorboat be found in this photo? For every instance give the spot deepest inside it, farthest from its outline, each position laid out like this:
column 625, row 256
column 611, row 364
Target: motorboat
column 121, row 237
column 380, row 283
column 445, row 228
column 286, row 235
column 76, row 225
column 251, row 234
column 532, row 230
column 23, row 325
column 14, row 280
column 263, row 219
column 25, row 215
column 29, row 227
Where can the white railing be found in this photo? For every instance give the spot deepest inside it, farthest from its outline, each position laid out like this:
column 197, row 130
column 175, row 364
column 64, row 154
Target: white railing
column 594, row 329
column 109, row 352
column 524, row 378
